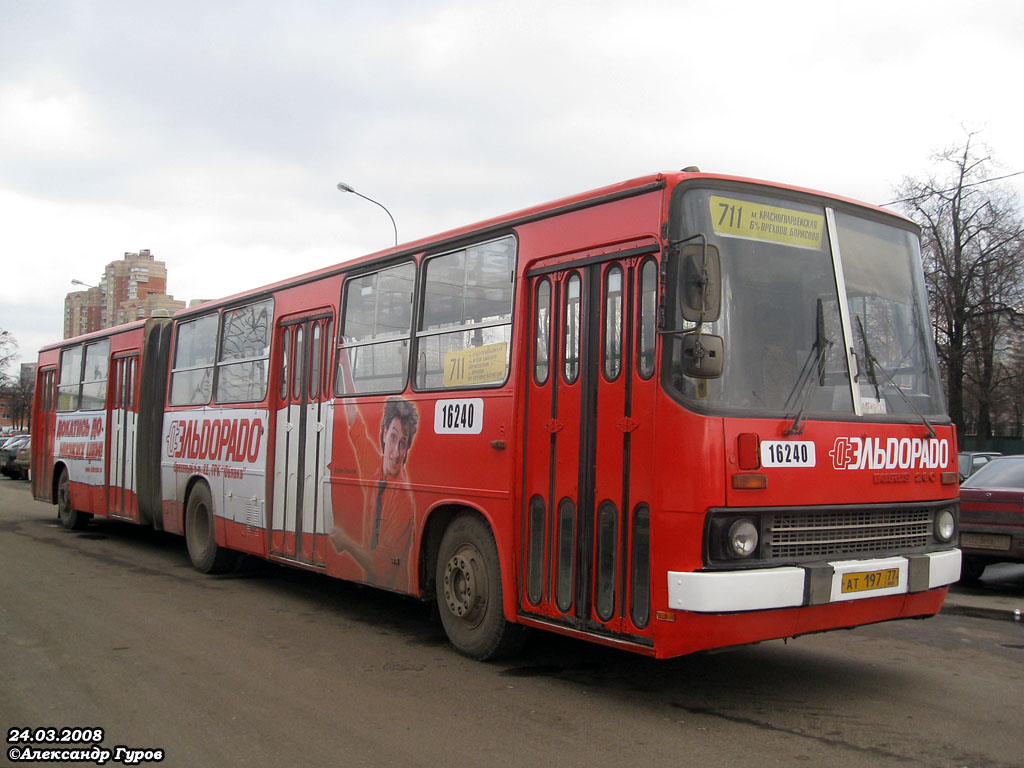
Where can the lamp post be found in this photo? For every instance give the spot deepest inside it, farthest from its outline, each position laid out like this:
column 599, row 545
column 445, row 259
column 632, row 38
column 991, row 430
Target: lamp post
column 343, row 187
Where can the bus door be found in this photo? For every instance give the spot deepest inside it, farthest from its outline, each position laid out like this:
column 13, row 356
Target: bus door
column 302, row 438
column 588, row 447
column 122, row 422
column 43, row 422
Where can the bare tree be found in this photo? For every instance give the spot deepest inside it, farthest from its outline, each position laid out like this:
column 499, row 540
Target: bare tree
column 8, row 351
column 1014, row 412
column 972, row 247
column 18, row 394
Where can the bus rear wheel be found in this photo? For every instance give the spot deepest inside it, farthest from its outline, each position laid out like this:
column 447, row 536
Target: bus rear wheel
column 69, row 517
column 206, row 555
column 469, row 597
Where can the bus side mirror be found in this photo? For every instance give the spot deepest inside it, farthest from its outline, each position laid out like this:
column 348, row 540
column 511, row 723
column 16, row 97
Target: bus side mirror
column 700, row 283
column 703, row 355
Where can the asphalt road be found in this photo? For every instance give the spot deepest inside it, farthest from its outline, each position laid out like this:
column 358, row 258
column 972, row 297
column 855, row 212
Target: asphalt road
column 112, row 628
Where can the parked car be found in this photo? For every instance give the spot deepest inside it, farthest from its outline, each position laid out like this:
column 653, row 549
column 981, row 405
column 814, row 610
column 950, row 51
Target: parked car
column 970, row 462
column 992, row 516
column 23, row 461
column 9, row 452
column 7, row 439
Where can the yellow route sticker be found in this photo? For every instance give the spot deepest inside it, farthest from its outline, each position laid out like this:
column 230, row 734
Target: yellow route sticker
column 476, row 365
column 756, row 221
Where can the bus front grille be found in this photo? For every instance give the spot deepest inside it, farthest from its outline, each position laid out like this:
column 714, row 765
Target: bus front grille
column 835, row 533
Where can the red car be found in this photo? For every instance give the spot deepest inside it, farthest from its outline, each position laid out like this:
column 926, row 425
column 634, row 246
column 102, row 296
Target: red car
column 992, row 516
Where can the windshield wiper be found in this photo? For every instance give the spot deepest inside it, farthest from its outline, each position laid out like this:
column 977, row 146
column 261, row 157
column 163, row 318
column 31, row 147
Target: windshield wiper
column 873, row 363
column 816, row 359
column 869, row 359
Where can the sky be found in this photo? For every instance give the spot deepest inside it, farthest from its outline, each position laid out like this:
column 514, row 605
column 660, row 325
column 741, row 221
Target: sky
column 214, row 133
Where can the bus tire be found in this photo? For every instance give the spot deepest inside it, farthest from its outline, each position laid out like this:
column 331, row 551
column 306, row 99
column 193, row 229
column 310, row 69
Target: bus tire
column 70, row 518
column 469, row 597
column 200, row 537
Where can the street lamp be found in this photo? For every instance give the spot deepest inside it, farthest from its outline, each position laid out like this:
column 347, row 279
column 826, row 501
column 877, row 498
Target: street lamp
column 343, row 187
column 89, row 305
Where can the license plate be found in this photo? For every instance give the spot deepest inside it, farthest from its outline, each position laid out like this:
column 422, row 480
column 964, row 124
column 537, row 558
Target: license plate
column 985, row 541
column 865, row 581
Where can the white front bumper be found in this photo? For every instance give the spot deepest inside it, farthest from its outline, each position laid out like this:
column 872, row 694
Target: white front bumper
column 788, row 587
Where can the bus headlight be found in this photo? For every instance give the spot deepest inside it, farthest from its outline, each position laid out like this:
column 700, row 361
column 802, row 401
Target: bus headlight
column 741, row 540
column 945, row 525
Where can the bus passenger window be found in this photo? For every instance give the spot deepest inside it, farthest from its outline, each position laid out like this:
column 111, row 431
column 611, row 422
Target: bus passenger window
column 542, row 333
column 244, row 353
column 45, row 391
column 607, row 559
column 132, row 390
column 286, row 336
column 375, row 328
column 535, row 552
column 300, row 350
column 70, row 379
column 195, row 348
column 566, row 554
column 315, row 356
column 571, row 340
column 326, row 385
column 466, row 326
column 640, row 579
column 94, row 377
column 612, row 323
column 646, row 328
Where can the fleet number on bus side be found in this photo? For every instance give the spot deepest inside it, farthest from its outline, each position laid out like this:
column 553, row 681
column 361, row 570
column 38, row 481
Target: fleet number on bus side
column 464, row 416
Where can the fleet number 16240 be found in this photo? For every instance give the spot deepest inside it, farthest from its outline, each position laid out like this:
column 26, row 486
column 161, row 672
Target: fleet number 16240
column 787, row 453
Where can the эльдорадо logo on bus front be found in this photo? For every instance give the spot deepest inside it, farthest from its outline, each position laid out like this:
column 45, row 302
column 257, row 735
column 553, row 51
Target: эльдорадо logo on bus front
column 889, row 453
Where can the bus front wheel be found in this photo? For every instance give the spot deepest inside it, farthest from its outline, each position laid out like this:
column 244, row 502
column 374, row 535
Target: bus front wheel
column 69, row 517
column 200, row 537
column 469, row 597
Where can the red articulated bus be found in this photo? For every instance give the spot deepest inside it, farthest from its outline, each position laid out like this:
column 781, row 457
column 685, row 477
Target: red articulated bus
column 683, row 412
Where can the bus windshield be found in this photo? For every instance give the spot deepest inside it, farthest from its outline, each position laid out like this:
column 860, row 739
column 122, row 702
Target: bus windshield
column 823, row 311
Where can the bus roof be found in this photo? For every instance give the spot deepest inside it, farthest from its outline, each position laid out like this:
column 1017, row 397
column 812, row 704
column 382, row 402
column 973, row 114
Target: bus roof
column 103, row 333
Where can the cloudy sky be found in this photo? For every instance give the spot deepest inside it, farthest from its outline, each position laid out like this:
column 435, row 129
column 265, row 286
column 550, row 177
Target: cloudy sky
column 214, row 133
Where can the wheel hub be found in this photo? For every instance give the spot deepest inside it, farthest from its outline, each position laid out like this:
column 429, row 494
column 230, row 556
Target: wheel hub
column 464, row 586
